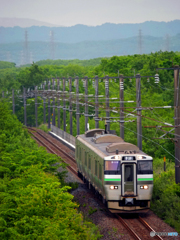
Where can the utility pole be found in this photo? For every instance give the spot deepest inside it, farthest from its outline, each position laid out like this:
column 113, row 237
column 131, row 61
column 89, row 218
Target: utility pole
column 96, row 102
column 70, row 105
column 49, row 107
column 64, row 105
column 2, row 94
column 58, row 103
column 121, row 95
column 44, row 104
column 177, row 123
column 13, row 103
column 24, row 97
column 36, row 106
column 77, row 104
column 138, row 104
column 86, row 102
column 107, row 101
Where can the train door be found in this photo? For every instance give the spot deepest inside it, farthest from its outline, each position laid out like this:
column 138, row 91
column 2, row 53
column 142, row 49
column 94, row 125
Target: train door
column 129, row 179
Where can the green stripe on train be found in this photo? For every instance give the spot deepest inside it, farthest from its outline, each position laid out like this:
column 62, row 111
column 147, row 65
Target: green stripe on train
column 145, row 179
column 112, row 179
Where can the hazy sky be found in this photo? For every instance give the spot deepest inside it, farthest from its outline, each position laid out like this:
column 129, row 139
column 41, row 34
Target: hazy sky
column 91, row 12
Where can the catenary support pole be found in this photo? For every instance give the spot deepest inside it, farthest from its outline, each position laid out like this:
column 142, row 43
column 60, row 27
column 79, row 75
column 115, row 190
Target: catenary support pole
column 49, row 107
column 77, row 105
column 44, row 105
column 36, row 110
column 86, row 103
column 64, row 105
column 138, row 104
column 53, row 116
column 107, row 101
column 58, row 104
column 96, row 102
column 70, row 106
column 177, row 123
column 121, row 95
column 24, row 97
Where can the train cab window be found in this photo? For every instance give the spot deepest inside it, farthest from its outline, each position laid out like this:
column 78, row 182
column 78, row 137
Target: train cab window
column 112, row 167
column 144, row 167
column 96, row 167
column 89, row 162
column 100, row 171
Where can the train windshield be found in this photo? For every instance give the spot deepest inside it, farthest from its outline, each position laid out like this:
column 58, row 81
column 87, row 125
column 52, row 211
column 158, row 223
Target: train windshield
column 145, row 167
column 112, row 165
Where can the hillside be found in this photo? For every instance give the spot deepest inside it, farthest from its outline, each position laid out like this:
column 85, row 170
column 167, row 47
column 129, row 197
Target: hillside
column 80, row 33
column 37, row 51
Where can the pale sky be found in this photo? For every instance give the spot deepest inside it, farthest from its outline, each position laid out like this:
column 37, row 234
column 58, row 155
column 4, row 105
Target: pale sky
column 91, row 12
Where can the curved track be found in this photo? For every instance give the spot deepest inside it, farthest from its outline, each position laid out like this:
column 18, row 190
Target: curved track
column 43, row 140
column 138, row 228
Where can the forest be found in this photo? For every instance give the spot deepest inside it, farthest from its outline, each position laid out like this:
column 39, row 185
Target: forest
column 166, row 195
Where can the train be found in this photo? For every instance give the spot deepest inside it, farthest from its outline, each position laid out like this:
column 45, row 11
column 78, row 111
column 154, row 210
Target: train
column 119, row 172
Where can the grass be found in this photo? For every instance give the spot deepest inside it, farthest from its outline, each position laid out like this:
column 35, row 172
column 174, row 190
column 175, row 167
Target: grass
column 44, row 127
column 166, row 193
column 91, row 210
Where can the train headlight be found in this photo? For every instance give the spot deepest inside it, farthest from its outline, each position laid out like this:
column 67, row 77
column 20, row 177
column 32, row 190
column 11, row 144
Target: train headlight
column 141, row 157
column 113, row 187
column 144, row 187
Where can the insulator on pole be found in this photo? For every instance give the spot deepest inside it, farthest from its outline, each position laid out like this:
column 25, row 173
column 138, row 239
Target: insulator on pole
column 156, row 78
column 106, row 84
column 121, row 85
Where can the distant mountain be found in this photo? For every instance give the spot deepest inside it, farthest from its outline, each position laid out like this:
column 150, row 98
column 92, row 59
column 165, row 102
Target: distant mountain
column 23, row 23
column 16, row 52
column 80, row 33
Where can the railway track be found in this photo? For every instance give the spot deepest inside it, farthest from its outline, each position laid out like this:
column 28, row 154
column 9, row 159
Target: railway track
column 138, row 228
column 54, row 148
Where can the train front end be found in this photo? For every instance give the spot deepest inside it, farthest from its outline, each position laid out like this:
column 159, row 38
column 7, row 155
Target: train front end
column 128, row 182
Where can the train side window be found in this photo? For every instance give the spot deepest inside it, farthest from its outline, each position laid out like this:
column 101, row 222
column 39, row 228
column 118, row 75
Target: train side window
column 80, row 153
column 77, row 151
column 89, row 162
column 96, row 167
column 100, row 171
column 85, row 158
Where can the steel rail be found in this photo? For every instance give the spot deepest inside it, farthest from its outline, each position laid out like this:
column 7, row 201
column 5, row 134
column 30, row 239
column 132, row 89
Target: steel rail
column 47, row 147
column 148, row 227
column 60, row 149
column 130, row 230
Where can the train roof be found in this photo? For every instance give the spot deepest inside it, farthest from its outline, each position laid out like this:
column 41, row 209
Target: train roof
column 107, row 144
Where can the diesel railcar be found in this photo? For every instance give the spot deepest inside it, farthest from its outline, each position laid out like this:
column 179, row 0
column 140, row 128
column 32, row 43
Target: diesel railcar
column 117, row 170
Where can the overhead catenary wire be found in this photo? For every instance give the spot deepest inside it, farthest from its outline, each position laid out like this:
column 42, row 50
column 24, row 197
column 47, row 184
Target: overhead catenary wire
column 155, row 143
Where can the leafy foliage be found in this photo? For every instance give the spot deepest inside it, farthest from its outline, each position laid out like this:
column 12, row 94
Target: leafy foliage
column 33, row 202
